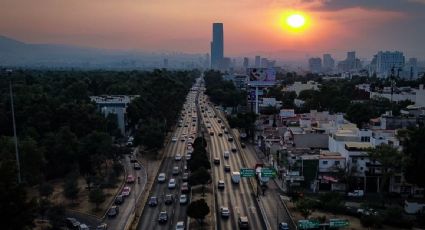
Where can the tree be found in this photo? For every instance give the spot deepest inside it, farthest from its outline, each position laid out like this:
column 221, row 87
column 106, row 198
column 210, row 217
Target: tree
column 359, row 113
column 305, row 207
column 97, row 196
column 56, row 215
column 70, row 187
column 200, row 176
column 198, row 210
column 414, row 146
column 45, row 189
column 390, row 160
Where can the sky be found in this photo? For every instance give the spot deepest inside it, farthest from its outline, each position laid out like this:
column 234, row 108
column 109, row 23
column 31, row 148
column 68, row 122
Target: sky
column 250, row 26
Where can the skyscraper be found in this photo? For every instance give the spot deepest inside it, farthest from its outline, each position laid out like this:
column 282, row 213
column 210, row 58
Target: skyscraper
column 217, row 45
column 245, row 62
column 315, row 65
column 257, row 61
column 328, row 63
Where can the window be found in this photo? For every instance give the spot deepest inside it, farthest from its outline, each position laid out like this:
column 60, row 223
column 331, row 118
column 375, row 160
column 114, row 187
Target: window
column 325, row 162
column 361, row 168
column 336, row 162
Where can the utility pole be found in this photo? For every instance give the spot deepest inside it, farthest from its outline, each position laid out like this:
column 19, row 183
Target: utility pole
column 18, row 165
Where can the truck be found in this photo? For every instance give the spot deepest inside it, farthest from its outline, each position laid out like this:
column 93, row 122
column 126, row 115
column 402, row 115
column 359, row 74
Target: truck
column 262, row 180
column 236, row 177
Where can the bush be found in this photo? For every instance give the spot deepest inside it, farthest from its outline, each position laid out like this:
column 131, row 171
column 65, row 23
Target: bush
column 371, row 221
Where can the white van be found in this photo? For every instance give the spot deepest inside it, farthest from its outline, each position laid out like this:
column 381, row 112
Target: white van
column 236, row 177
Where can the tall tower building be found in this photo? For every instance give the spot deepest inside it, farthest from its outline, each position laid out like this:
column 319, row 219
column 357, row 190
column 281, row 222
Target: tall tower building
column 257, row 61
column 328, row 63
column 217, row 45
column 245, row 62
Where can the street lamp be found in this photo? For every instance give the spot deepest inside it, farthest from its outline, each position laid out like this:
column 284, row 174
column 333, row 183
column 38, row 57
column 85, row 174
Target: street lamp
column 9, row 73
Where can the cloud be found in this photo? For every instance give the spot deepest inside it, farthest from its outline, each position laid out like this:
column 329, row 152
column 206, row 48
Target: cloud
column 404, row 6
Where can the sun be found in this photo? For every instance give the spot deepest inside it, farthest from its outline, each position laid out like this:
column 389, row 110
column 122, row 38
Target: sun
column 295, row 21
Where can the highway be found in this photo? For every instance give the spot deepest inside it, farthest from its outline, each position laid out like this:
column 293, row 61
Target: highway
column 175, row 211
column 239, row 198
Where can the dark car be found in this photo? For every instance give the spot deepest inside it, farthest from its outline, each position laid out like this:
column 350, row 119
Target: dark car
column 212, row 133
column 162, row 217
column 184, row 187
column 230, row 139
column 119, row 199
column 243, row 145
column 137, row 166
column 168, row 199
column 72, row 223
column 220, row 134
column 217, row 161
column 185, row 177
column 113, row 211
column 153, row 201
column 227, row 168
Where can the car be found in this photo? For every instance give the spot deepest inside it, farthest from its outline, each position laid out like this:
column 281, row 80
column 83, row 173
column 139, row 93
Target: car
column 222, row 127
column 216, row 160
column 180, row 225
column 174, row 139
column 188, row 156
column 184, row 187
column 185, row 177
column 176, row 170
column 227, row 168
column 212, row 133
column 102, row 226
column 185, row 125
column 224, row 212
column 233, row 149
column 183, row 199
column 226, row 131
column 283, row 226
column 119, row 199
column 226, row 154
column 178, row 157
column 172, row 183
column 182, row 139
column 180, row 125
column 83, row 227
column 113, row 211
column 161, row 178
column 126, row 191
column 130, row 179
column 218, row 120
column 153, row 201
column 168, row 199
column 72, row 223
column 243, row 145
column 132, row 159
column 230, row 138
column 194, row 124
column 137, row 166
column 243, row 222
column 220, row 184
column 163, row 217
column 220, row 134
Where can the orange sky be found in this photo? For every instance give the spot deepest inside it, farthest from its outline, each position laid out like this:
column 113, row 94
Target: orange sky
column 250, row 26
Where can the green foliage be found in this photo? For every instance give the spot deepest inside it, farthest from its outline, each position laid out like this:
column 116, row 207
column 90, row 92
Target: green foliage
column 305, row 206
column 200, row 176
column 199, row 143
column 45, row 189
column 70, row 187
column 332, row 202
column 198, row 210
column 389, row 158
column 16, row 211
column 414, row 146
column 371, row 221
column 222, row 92
column 56, row 214
column 244, row 121
column 97, row 196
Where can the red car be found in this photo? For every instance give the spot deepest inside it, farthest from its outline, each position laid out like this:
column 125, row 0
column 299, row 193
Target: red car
column 130, row 179
column 126, row 191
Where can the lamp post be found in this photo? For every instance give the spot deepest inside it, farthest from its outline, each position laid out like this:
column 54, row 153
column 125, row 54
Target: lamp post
column 18, row 166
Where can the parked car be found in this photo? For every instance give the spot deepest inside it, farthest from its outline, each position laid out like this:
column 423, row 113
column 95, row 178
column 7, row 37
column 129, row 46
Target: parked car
column 163, row 217
column 153, row 201
column 168, row 199
column 126, row 191
column 113, row 211
column 225, row 212
column 119, row 199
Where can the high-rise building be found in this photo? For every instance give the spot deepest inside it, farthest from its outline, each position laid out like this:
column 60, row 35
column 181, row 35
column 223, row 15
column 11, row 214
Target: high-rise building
column 245, row 62
column 388, row 63
column 264, row 63
column 351, row 63
column 328, row 63
column 217, row 46
column 257, row 61
column 315, row 65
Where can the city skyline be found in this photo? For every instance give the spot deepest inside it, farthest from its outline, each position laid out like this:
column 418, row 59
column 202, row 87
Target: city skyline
column 252, row 27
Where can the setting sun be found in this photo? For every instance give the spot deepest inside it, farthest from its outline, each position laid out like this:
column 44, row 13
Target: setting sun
column 295, row 21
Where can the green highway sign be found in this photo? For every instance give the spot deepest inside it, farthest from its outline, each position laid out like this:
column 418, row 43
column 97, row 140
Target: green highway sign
column 246, row 172
column 268, row 172
column 338, row 223
column 308, row 224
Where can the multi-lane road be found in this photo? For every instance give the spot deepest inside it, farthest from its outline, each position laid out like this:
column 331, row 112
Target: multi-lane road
column 176, row 212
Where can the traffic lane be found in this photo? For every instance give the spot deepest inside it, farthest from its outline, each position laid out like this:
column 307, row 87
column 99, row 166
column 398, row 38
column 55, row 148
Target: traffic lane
column 83, row 218
column 128, row 206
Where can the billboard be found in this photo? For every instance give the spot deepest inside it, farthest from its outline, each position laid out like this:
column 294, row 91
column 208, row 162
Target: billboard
column 262, row 76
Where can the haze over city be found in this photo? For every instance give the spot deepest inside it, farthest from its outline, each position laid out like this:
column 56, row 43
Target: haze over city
column 250, row 27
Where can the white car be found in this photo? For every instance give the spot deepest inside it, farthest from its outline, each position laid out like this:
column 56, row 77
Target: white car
column 176, row 170
column 180, row 225
column 174, row 139
column 126, row 191
column 224, row 211
column 226, row 154
column 183, row 199
column 172, row 183
column 188, row 156
column 178, row 157
column 161, row 177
